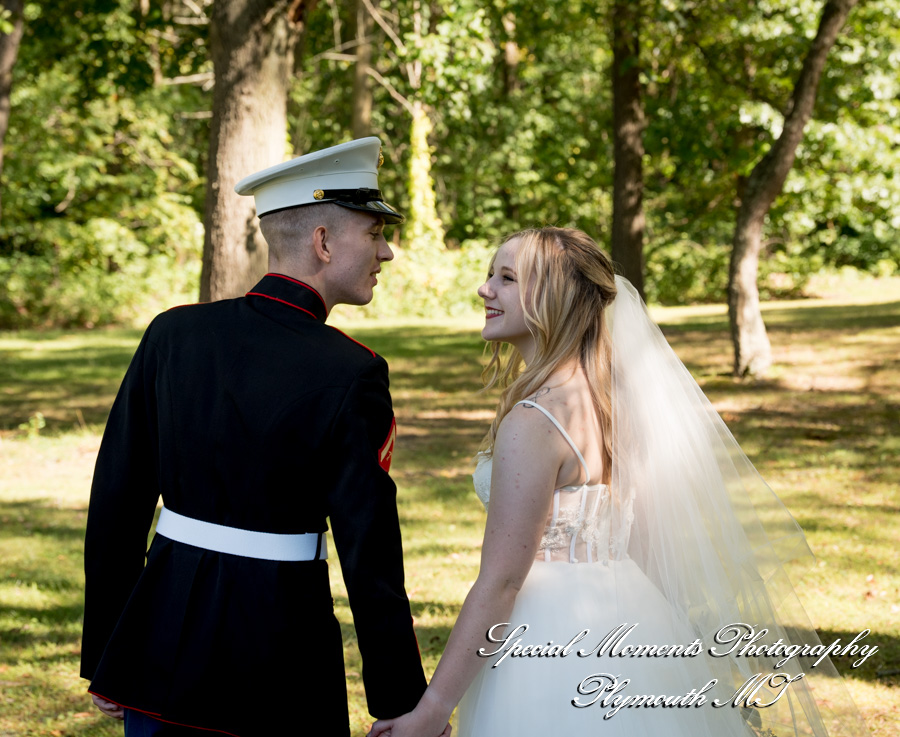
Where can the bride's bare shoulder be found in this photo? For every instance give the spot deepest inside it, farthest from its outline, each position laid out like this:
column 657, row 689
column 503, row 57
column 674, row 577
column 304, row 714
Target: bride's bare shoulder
column 565, row 393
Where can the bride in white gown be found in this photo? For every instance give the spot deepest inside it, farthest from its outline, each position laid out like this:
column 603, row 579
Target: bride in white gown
column 632, row 579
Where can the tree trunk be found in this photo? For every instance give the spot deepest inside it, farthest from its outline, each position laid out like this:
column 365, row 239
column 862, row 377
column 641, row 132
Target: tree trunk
column 752, row 350
column 9, row 51
column 628, row 144
column 508, row 65
column 424, row 228
column 362, row 82
column 251, row 43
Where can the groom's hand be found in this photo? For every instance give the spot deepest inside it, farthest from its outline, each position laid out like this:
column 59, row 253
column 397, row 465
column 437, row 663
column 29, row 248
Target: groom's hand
column 108, row 707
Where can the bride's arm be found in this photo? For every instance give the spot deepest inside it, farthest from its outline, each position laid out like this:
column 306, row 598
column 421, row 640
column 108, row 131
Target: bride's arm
column 528, row 453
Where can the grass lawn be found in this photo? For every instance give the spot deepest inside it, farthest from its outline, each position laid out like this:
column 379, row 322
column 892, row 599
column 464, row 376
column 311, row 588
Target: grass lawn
column 823, row 429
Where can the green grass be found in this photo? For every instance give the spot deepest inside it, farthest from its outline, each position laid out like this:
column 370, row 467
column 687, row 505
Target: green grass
column 824, row 430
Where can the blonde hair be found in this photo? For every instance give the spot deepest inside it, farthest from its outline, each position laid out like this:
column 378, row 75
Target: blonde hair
column 566, row 283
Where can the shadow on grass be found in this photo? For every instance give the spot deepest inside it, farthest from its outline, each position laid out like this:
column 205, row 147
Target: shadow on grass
column 800, row 316
column 432, row 638
column 40, row 517
column 63, row 620
column 56, row 381
column 877, row 668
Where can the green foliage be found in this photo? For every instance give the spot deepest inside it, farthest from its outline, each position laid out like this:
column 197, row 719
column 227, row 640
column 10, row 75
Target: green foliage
column 428, row 283
column 719, row 79
column 686, row 272
column 6, row 26
column 101, row 220
column 103, row 188
column 35, row 424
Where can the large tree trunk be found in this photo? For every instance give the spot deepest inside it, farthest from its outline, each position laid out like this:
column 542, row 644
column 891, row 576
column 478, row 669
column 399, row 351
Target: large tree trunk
column 628, row 144
column 752, row 351
column 362, row 81
column 9, row 51
column 251, row 43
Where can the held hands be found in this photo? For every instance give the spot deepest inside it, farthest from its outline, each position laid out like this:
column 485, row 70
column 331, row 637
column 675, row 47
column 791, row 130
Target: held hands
column 108, row 707
column 385, row 728
column 429, row 719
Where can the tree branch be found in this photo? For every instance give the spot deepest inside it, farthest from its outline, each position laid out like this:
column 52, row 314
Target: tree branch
column 747, row 85
column 200, row 78
column 193, row 6
column 767, row 177
column 373, row 11
column 390, row 88
column 343, row 47
column 334, row 56
column 335, row 22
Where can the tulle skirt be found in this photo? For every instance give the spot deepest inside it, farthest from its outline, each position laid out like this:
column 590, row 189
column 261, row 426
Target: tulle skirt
column 534, row 695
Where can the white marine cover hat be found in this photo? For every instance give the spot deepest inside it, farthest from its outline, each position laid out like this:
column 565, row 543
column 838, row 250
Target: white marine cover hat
column 346, row 174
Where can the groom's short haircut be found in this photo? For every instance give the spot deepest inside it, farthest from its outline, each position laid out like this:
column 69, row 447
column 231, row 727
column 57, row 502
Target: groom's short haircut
column 289, row 231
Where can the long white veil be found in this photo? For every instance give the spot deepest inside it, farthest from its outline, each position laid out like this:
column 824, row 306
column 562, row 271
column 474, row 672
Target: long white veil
column 693, row 513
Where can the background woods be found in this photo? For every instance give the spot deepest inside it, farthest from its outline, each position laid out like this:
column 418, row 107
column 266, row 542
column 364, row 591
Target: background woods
column 657, row 127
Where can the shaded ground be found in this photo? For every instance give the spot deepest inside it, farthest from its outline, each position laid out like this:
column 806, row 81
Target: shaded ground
column 824, row 430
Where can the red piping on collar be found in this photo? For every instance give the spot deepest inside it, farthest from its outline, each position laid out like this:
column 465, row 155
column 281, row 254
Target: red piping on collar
column 275, row 299
column 302, row 284
column 157, row 717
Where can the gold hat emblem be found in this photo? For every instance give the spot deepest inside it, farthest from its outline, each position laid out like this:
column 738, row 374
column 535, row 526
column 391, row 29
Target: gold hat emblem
column 318, row 194
column 380, row 158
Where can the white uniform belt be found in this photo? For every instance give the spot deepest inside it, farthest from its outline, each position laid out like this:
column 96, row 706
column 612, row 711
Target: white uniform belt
column 248, row 543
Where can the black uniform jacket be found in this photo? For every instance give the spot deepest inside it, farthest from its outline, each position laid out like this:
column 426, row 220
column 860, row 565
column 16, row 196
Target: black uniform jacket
column 250, row 413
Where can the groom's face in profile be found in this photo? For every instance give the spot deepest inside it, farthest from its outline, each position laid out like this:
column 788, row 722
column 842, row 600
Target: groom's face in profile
column 358, row 248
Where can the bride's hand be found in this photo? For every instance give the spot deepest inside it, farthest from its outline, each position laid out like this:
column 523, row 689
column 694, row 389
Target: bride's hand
column 381, row 727
column 430, row 718
column 409, row 725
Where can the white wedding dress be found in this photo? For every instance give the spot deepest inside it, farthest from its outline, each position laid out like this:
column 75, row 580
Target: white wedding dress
column 687, row 541
column 581, row 580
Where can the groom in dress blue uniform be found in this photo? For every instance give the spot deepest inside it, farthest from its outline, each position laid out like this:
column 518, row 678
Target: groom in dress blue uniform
column 255, row 421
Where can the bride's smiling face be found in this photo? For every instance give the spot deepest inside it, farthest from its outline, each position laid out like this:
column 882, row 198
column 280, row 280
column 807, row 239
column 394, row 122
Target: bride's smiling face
column 505, row 318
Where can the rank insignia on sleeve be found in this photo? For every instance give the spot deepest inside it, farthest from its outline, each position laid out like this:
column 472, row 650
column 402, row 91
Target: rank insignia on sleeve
column 386, row 452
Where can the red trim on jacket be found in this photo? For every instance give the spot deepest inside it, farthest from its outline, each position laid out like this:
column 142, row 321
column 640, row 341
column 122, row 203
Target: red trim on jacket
column 156, row 716
column 374, row 355
column 302, row 284
column 284, row 302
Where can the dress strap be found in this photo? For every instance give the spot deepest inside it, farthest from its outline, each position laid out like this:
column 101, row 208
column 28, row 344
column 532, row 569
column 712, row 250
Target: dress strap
column 529, row 403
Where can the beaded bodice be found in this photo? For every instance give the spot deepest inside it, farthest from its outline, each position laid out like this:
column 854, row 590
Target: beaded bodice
column 579, row 528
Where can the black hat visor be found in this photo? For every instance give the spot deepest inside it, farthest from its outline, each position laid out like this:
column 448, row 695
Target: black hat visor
column 363, row 199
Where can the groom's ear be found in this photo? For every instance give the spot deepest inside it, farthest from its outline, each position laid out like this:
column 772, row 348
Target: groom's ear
column 321, row 245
